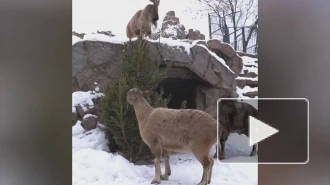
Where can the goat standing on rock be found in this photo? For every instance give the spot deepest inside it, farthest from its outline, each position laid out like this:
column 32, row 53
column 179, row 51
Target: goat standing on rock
column 165, row 130
column 141, row 22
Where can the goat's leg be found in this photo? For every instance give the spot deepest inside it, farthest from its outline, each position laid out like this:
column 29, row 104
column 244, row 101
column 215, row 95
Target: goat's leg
column 223, row 140
column 202, row 154
column 254, row 147
column 223, row 150
column 157, row 152
column 254, row 150
column 167, row 172
column 210, row 172
column 217, row 150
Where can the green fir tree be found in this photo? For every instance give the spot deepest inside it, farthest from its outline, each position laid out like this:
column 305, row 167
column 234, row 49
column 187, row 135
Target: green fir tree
column 139, row 69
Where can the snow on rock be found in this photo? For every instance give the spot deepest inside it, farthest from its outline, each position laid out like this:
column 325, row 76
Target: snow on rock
column 94, row 139
column 246, row 78
column 216, row 56
column 249, row 65
column 84, row 98
column 246, row 89
column 75, row 39
column 106, row 38
column 174, row 43
column 249, row 61
column 249, row 69
column 122, row 40
column 97, row 88
column 164, row 41
column 89, row 115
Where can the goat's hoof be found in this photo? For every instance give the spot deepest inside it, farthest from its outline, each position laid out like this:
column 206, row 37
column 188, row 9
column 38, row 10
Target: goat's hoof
column 155, row 181
column 164, row 177
column 202, row 183
column 253, row 154
column 222, row 156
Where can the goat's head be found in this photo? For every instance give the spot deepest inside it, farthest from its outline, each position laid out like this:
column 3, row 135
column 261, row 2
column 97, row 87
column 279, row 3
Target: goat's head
column 227, row 106
column 135, row 94
column 154, row 11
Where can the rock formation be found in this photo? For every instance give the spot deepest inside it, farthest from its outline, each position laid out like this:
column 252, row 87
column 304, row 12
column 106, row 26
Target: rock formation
column 213, row 76
column 80, row 35
column 248, row 78
column 195, row 35
column 171, row 27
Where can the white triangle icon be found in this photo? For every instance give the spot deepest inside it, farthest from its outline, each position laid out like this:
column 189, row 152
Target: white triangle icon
column 259, row 131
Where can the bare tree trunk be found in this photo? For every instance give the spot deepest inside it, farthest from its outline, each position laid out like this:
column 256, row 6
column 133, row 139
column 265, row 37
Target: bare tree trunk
column 226, row 37
column 235, row 35
column 243, row 40
column 252, row 29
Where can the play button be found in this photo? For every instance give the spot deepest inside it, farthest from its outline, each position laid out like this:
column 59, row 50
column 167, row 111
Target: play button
column 259, row 131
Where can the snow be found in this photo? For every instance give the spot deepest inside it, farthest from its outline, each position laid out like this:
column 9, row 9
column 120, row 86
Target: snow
column 75, row 39
column 94, row 139
column 92, row 164
column 174, row 43
column 164, row 41
column 89, row 115
column 97, row 89
column 216, row 56
column 246, row 89
column 247, row 78
column 171, row 29
column 106, row 38
column 251, row 62
column 84, row 99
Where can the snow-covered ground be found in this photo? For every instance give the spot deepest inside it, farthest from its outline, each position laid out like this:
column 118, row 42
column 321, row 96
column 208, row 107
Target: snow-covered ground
column 92, row 164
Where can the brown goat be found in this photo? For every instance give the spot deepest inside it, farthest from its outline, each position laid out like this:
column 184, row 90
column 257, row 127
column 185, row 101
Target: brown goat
column 169, row 130
column 234, row 117
column 140, row 24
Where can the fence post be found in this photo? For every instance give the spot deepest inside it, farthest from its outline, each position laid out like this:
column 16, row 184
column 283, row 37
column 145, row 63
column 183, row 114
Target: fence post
column 243, row 40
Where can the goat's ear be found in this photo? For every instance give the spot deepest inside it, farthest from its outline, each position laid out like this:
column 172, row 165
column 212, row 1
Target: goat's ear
column 145, row 93
column 156, row 2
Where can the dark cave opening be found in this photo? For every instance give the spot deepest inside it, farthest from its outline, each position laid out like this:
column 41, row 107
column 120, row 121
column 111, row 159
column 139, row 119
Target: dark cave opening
column 180, row 90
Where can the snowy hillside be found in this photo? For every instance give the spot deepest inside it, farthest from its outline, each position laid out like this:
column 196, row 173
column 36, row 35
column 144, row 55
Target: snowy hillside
column 92, row 164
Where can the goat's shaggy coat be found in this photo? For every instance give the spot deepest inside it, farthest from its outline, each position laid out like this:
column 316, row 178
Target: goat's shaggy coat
column 234, row 116
column 140, row 24
column 165, row 130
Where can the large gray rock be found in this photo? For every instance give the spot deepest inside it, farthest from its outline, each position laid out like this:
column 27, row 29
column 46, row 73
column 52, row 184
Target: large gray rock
column 89, row 122
column 102, row 64
column 195, row 35
column 207, row 97
column 79, row 58
column 225, row 51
